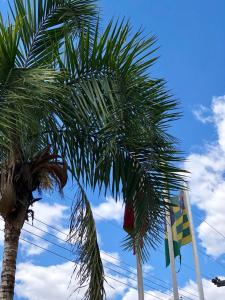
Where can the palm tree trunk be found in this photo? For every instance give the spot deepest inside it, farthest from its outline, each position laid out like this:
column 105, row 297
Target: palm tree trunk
column 11, row 243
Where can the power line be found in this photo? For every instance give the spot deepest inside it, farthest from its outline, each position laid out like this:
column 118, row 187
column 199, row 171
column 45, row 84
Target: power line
column 165, row 293
column 44, row 239
column 159, row 285
column 218, row 232
column 49, row 233
column 65, row 258
column 203, row 220
column 115, row 225
column 146, row 279
column 133, row 287
column 64, row 248
column 187, row 266
column 56, row 229
column 151, row 287
column 212, row 259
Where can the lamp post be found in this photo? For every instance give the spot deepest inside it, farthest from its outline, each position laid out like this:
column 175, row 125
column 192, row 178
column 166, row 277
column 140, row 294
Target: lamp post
column 218, row 282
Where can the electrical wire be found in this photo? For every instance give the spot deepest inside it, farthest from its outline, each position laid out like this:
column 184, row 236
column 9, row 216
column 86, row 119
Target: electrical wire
column 67, row 259
column 218, row 232
column 61, row 232
column 146, row 279
column 107, row 261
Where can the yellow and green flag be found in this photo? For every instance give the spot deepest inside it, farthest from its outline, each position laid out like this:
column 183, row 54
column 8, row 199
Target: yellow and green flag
column 180, row 226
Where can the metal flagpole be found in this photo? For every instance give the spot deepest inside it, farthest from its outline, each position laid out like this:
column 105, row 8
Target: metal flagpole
column 139, row 269
column 172, row 260
column 139, row 277
column 194, row 244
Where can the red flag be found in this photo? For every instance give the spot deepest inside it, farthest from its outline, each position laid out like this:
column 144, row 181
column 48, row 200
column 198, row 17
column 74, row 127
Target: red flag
column 128, row 221
column 128, row 224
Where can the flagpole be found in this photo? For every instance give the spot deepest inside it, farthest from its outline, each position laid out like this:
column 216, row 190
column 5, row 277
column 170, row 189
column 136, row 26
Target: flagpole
column 139, row 277
column 171, row 253
column 194, row 244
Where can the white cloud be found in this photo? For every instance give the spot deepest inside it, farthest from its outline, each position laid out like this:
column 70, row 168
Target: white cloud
column 38, row 282
column 132, row 294
column 189, row 291
column 203, row 114
column 147, row 268
column 50, row 214
column 207, row 183
column 35, row 282
column 211, row 291
column 109, row 210
column 110, row 257
column 2, row 225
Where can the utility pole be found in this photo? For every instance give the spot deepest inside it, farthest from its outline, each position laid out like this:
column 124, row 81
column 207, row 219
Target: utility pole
column 218, row 282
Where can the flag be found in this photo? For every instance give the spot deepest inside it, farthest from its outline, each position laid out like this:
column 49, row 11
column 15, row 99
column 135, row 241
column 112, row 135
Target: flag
column 128, row 221
column 180, row 226
column 129, row 224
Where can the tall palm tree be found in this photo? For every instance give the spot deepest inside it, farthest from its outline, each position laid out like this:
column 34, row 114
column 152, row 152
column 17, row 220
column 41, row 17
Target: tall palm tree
column 78, row 101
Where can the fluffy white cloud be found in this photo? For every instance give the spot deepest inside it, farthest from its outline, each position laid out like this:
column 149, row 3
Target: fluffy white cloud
column 52, row 282
column 190, row 291
column 132, row 294
column 109, row 210
column 50, row 214
column 110, row 257
column 207, row 183
column 35, row 282
column 1, row 231
column 211, row 291
column 203, row 114
column 39, row 282
column 147, row 268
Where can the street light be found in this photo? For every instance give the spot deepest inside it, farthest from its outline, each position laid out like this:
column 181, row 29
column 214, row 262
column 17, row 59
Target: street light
column 218, row 282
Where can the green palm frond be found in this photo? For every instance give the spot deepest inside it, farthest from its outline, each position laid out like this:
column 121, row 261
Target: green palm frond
column 116, row 98
column 43, row 25
column 29, row 101
column 89, row 95
column 126, row 115
column 9, row 52
column 84, row 236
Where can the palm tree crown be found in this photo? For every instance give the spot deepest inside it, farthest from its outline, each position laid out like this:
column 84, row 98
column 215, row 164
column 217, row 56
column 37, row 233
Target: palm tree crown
column 78, row 100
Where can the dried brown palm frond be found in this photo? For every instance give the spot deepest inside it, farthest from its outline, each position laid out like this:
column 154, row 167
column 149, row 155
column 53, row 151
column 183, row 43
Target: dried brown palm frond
column 44, row 169
column 44, row 164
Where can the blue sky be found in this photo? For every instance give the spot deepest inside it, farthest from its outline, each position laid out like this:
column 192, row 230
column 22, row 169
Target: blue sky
column 191, row 36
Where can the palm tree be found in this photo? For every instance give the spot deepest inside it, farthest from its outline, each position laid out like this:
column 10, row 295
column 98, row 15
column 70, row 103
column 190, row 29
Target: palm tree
column 80, row 101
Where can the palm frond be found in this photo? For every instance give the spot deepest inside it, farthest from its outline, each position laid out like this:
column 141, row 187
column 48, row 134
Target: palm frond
column 9, row 52
column 123, row 115
column 26, row 105
column 43, row 25
column 84, row 237
column 98, row 107
column 45, row 164
column 126, row 111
